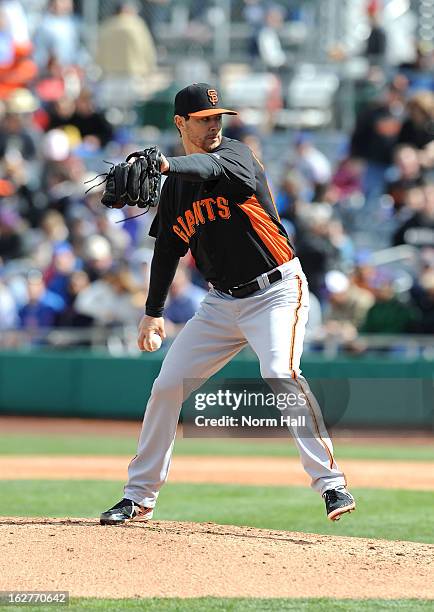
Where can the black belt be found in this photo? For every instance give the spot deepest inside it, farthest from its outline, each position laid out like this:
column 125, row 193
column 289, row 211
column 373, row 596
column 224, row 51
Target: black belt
column 246, row 289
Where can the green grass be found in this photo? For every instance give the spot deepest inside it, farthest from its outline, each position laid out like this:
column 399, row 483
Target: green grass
column 28, row 444
column 214, row 604
column 389, row 514
column 104, row 445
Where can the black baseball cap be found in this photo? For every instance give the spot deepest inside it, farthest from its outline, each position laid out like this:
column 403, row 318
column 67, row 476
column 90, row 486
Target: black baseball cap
column 200, row 100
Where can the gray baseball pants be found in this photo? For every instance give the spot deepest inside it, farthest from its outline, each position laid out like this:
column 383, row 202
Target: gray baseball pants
column 272, row 321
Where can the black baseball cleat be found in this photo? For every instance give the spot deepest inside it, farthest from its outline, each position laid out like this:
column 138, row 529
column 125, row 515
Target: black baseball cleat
column 124, row 511
column 338, row 501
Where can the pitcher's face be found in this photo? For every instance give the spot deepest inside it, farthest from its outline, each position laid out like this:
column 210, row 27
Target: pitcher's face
column 204, row 134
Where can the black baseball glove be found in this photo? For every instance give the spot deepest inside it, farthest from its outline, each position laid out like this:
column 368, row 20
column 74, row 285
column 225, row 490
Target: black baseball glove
column 136, row 183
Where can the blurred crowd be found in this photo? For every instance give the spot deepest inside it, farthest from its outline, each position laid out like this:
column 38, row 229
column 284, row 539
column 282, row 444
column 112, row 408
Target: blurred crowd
column 361, row 216
column 347, row 217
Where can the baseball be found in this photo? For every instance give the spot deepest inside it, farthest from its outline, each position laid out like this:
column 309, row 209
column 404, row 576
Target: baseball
column 155, row 341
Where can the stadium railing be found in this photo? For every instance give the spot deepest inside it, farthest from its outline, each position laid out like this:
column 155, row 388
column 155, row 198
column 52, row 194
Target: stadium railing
column 121, row 340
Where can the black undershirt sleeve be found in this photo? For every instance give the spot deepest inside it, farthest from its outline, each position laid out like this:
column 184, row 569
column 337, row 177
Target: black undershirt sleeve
column 197, row 167
column 163, row 268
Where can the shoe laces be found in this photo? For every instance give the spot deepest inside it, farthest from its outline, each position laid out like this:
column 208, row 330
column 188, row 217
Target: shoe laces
column 334, row 494
column 120, row 504
column 331, row 495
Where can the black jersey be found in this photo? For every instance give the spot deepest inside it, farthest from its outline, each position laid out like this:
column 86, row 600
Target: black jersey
column 220, row 207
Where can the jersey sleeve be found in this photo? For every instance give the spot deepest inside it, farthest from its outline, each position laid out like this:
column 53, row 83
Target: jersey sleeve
column 237, row 161
column 232, row 159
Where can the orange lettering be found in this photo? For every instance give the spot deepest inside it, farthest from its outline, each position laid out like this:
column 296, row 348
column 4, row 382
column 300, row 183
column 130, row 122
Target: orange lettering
column 180, row 233
column 208, row 203
column 189, row 217
column 182, row 224
column 198, row 216
column 223, row 206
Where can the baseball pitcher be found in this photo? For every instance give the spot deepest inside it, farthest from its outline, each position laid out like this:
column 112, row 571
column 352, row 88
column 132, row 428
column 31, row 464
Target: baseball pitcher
column 217, row 203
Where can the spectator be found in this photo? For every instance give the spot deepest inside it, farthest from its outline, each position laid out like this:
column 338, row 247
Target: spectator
column 418, row 128
column 16, row 133
column 60, row 113
column 115, row 299
column 268, row 45
column 16, row 20
column 52, row 230
column 58, row 36
column 53, row 227
column 312, row 164
column 376, row 44
column 346, row 180
column 184, row 299
column 408, row 174
column 347, row 304
column 98, row 256
column 235, row 127
column 55, row 148
column 62, row 174
column 420, row 68
column 254, row 12
column 78, row 281
column 52, row 83
column 42, row 306
column 389, row 315
column 8, row 307
column 91, row 122
column 63, row 265
column 117, row 236
column 140, row 265
column 374, row 138
column 11, row 234
column 418, row 231
column 18, row 150
column 313, row 245
column 423, row 299
column 289, row 194
column 251, row 138
column 17, row 69
column 135, row 58
column 413, row 202
column 342, row 242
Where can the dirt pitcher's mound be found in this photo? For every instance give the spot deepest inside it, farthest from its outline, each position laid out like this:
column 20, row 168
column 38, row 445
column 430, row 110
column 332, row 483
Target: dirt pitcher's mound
column 171, row 559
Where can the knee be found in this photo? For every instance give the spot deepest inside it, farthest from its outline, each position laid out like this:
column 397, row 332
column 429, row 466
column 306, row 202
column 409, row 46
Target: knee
column 276, row 370
column 164, row 386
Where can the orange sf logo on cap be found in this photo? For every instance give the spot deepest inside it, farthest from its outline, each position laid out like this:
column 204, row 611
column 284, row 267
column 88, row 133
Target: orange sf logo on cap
column 212, row 96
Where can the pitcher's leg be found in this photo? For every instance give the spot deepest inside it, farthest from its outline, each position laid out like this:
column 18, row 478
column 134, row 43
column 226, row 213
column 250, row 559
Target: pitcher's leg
column 314, row 444
column 203, row 347
column 274, row 327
